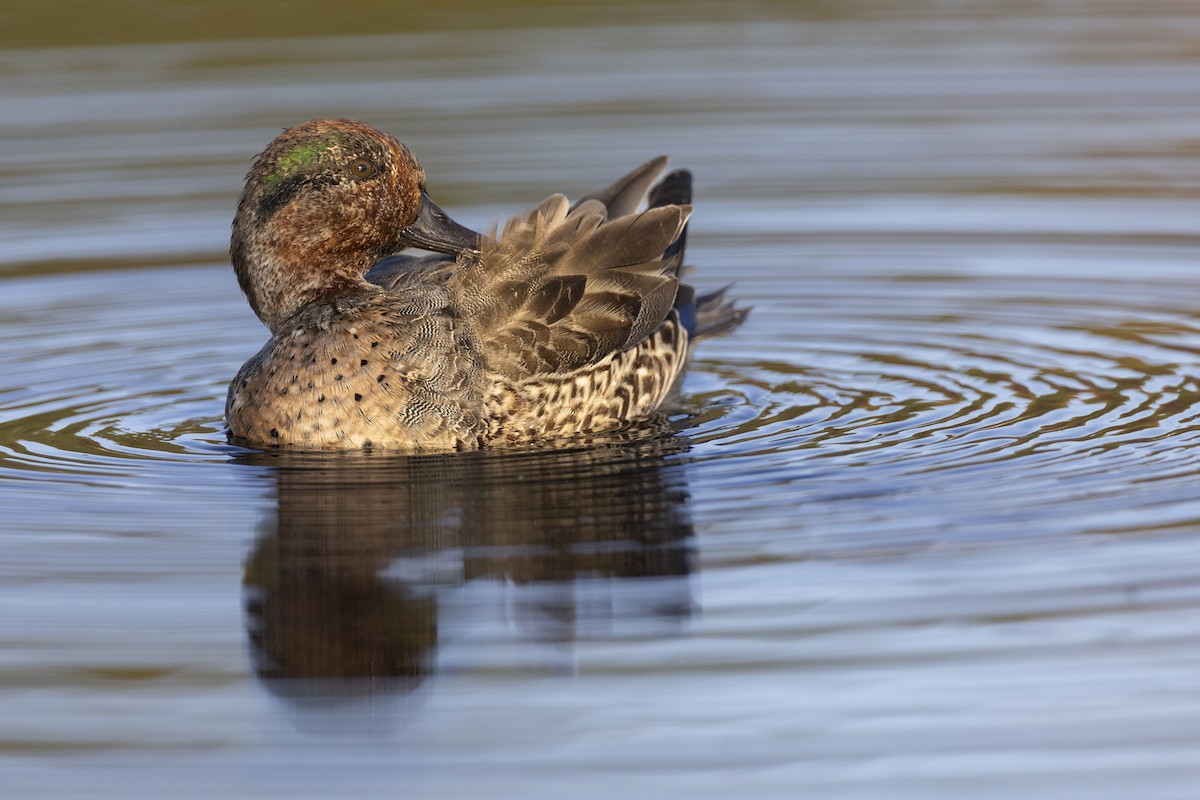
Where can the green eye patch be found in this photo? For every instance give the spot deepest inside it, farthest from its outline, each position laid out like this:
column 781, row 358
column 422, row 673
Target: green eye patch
column 298, row 159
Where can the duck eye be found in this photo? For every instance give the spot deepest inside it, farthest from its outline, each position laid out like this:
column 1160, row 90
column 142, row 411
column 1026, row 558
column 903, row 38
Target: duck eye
column 363, row 169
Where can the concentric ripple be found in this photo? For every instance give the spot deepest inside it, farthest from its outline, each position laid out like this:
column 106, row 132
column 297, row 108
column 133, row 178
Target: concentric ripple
column 957, row 403
column 986, row 404
column 107, row 379
column 1002, row 377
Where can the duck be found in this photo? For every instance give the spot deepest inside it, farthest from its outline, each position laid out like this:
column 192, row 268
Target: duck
column 567, row 321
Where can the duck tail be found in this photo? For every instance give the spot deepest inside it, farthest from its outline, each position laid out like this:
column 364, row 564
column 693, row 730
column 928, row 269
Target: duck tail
column 715, row 315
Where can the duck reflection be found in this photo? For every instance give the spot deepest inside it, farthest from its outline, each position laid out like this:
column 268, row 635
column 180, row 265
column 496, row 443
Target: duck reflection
column 389, row 568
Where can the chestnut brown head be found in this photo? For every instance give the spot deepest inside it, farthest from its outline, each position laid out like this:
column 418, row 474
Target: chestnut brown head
column 323, row 202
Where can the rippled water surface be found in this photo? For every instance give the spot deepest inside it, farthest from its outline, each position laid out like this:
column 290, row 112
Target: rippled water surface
column 926, row 525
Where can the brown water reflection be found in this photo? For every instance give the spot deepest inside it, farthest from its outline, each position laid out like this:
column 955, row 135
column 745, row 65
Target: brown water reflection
column 346, row 577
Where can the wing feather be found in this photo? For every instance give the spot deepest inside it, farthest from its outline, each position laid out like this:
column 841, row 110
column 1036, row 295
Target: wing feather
column 563, row 286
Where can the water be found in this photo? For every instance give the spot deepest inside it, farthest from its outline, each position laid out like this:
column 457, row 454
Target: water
column 925, row 526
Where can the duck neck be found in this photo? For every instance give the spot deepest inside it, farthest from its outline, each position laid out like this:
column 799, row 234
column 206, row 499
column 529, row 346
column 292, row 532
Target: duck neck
column 281, row 275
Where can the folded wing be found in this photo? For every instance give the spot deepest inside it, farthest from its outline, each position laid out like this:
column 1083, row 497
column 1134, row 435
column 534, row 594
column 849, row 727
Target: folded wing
column 564, row 286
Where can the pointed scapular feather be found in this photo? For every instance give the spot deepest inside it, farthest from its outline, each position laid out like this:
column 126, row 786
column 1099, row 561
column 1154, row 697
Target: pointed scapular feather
column 525, row 230
column 619, row 306
column 632, row 239
column 624, row 196
column 656, row 304
column 556, row 298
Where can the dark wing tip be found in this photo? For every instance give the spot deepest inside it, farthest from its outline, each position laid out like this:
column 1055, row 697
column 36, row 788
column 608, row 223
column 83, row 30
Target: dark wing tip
column 624, row 195
column 673, row 190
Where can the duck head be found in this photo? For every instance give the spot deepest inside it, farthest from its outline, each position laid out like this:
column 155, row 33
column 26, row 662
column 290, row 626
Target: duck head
column 321, row 204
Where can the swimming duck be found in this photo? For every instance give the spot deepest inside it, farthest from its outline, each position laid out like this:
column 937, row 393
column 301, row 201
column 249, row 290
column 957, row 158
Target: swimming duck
column 571, row 320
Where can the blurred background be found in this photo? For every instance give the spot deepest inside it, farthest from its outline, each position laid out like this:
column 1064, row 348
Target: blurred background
column 923, row 527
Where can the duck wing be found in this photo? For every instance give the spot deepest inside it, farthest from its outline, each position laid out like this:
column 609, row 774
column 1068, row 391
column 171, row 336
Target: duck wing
column 564, row 286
